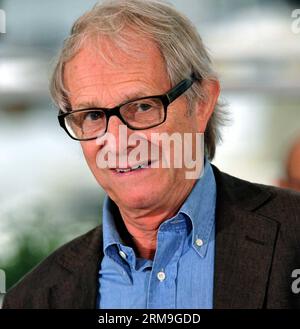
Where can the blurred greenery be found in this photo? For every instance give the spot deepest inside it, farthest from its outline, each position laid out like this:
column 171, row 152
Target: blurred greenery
column 26, row 258
column 38, row 234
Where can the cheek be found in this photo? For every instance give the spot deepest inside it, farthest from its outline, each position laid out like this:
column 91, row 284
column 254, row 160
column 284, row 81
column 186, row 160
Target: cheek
column 90, row 150
column 180, row 120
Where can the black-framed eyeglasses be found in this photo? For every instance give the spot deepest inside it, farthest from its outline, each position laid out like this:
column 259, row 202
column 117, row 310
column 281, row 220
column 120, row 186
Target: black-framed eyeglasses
column 138, row 114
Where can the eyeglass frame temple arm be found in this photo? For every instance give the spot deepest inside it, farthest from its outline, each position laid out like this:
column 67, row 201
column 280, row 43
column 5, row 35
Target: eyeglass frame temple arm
column 182, row 87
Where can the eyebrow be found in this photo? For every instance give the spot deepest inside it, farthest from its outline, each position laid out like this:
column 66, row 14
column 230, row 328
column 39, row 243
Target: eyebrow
column 86, row 105
column 95, row 104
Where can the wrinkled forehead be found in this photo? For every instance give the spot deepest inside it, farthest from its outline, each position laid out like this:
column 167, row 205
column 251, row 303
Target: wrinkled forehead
column 119, row 50
column 119, row 67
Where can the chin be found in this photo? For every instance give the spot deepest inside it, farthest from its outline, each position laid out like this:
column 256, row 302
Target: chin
column 135, row 200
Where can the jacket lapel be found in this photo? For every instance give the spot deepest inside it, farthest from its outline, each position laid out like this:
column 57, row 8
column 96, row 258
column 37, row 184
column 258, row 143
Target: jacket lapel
column 245, row 241
column 78, row 288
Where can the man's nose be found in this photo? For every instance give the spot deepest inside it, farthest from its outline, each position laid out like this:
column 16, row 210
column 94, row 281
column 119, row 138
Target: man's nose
column 113, row 126
column 116, row 137
column 120, row 131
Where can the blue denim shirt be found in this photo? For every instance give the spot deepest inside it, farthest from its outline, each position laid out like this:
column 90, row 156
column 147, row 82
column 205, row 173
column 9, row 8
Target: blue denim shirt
column 182, row 271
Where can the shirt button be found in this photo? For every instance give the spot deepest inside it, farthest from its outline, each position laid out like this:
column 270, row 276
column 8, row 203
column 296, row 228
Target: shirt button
column 161, row 276
column 122, row 254
column 199, row 242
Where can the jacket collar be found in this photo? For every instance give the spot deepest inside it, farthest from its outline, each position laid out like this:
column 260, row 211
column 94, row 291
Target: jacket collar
column 81, row 261
column 245, row 241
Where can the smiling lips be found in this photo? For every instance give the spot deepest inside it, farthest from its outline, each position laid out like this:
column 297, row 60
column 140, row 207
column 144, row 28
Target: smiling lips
column 136, row 167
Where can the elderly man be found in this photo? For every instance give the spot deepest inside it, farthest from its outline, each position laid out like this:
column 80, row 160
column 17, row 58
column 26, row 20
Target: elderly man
column 168, row 239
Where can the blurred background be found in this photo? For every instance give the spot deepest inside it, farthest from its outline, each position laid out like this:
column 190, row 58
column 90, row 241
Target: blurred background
column 48, row 194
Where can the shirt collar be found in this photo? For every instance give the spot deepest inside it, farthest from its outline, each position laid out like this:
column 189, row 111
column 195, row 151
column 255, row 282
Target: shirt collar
column 110, row 232
column 200, row 209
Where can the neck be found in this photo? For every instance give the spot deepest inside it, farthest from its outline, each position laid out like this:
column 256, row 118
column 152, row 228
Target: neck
column 143, row 225
column 143, row 231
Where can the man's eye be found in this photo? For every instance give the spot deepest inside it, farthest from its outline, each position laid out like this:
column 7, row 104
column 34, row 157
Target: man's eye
column 143, row 107
column 93, row 116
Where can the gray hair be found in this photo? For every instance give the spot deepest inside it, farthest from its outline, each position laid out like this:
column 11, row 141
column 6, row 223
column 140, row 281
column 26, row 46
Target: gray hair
column 176, row 37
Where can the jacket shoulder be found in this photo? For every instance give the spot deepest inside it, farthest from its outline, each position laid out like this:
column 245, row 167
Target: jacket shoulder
column 267, row 198
column 32, row 290
column 272, row 203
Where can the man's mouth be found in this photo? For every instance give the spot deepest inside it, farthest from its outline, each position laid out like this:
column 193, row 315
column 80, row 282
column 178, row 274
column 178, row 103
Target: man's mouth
column 133, row 168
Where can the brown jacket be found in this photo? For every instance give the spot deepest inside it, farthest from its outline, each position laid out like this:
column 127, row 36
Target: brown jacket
column 257, row 249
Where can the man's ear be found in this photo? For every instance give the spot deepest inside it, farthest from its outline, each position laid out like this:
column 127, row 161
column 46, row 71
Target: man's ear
column 205, row 107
